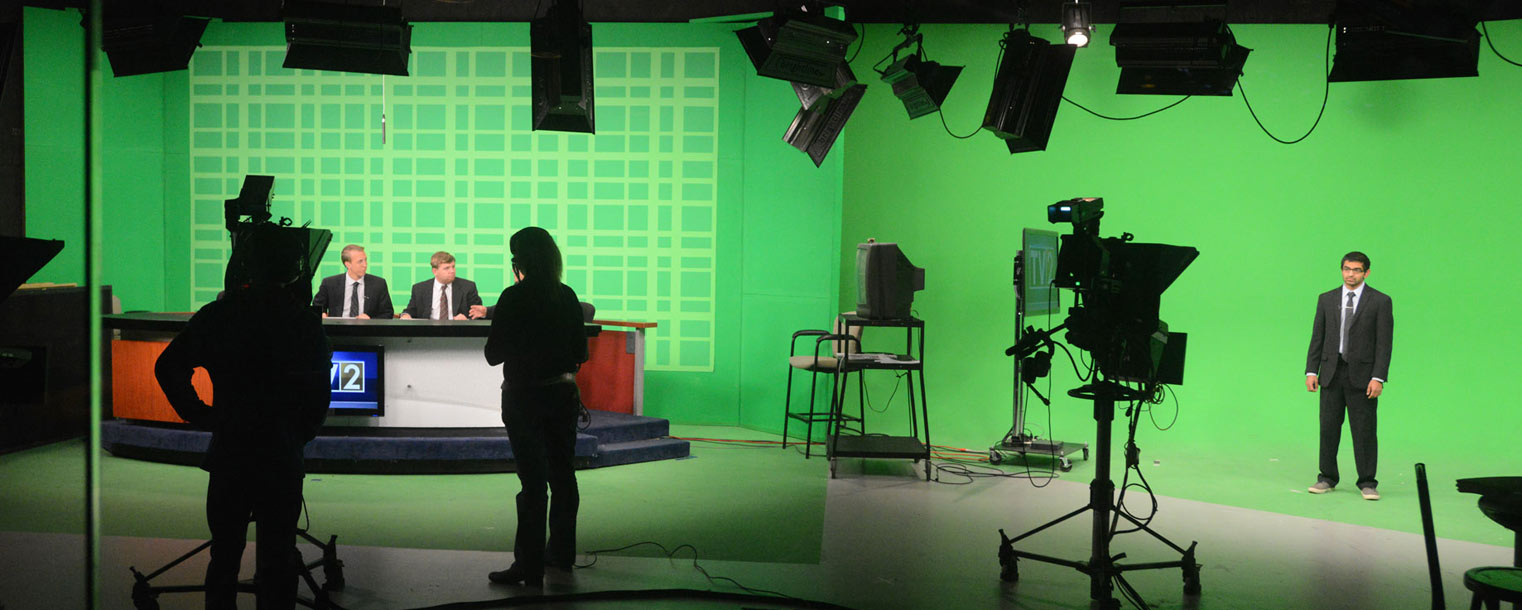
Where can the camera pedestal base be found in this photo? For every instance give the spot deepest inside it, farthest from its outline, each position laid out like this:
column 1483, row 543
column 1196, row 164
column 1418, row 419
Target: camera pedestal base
column 1105, row 570
column 145, row 594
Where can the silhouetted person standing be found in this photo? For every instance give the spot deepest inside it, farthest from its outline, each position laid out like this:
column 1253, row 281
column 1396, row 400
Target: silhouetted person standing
column 538, row 337
column 269, row 363
column 1349, row 361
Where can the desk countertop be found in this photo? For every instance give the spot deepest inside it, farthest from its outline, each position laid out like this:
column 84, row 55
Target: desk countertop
column 336, row 327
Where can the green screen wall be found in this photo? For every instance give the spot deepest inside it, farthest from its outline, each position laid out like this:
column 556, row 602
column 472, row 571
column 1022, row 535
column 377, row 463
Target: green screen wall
column 661, row 215
column 1421, row 175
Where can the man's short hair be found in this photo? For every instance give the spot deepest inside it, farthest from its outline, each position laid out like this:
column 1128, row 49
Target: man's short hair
column 440, row 258
column 1357, row 257
column 351, row 248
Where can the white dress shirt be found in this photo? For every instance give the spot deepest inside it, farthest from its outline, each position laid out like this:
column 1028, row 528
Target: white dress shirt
column 349, row 283
column 433, row 303
column 1342, row 305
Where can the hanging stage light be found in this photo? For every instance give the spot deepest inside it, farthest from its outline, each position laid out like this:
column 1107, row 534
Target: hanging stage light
column 1077, row 28
column 797, row 46
column 824, row 113
column 1177, row 58
column 144, row 42
column 561, row 47
column 1027, row 91
column 921, row 84
column 346, row 37
column 1385, row 40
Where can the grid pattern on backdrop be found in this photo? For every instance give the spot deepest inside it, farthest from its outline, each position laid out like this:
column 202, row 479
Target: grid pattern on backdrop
column 458, row 169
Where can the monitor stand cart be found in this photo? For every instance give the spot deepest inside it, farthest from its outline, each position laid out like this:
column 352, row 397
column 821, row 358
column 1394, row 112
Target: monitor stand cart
column 1016, row 441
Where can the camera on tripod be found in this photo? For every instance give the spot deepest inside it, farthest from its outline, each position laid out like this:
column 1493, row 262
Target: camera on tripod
column 250, row 212
column 1118, row 285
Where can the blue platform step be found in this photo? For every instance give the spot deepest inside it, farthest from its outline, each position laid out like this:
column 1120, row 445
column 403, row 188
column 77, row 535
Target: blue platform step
column 609, row 439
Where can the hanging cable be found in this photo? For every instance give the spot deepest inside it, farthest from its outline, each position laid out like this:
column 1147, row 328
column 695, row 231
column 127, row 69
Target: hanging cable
column 1325, row 93
column 1124, row 118
column 1492, row 44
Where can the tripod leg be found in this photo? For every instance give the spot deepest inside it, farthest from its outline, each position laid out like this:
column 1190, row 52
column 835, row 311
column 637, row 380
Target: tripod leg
column 143, row 596
column 1191, row 572
column 1009, row 563
column 332, row 566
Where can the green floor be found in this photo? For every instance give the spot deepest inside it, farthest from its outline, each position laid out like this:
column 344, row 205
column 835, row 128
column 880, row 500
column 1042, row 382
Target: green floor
column 738, row 503
column 731, row 502
column 1274, row 477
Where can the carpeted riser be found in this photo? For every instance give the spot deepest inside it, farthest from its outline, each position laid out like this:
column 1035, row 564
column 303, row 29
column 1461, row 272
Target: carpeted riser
column 611, row 439
column 641, row 451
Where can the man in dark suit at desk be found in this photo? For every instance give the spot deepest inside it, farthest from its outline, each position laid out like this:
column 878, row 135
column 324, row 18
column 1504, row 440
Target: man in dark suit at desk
column 1350, row 348
column 445, row 297
column 354, row 293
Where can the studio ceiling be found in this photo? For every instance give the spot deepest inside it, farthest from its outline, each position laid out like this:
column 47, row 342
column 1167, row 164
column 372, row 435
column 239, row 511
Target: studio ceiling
column 859, row 11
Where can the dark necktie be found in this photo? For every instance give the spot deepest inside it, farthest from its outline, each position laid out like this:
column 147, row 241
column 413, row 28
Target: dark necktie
column 1347, row 321
column 444, row 302
column 354, row 301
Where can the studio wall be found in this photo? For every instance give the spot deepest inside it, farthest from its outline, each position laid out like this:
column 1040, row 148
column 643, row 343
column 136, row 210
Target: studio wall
column 1420, row 175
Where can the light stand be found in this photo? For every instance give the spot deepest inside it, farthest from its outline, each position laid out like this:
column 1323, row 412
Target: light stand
column 1104, row 570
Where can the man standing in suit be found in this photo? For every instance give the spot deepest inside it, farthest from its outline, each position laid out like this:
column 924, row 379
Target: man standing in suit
column 445, row 297
column 1350, row 348
column 354, row 293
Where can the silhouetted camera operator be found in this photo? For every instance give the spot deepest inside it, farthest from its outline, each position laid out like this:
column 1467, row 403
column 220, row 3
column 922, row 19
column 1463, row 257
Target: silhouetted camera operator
column 269, row 363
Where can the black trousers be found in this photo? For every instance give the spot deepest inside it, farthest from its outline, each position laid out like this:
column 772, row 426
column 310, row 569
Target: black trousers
column 541, row 425
column 1339, row 396
column 273, row 501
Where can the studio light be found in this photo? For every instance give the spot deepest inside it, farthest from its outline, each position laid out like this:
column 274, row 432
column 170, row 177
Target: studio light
column 1385, row 40
column 1027, row 90
column 921, row 84
column 1177, row 58
column 367, row 39
column 824, row 113
column 146, row 43
column 798, row 46
column 1076, row 26
column 561, row 49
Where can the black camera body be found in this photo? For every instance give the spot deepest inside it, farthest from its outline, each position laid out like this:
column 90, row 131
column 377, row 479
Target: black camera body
column 1119, row 286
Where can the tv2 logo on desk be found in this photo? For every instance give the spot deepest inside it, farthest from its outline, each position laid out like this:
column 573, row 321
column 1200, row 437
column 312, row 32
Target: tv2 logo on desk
column 348, row 376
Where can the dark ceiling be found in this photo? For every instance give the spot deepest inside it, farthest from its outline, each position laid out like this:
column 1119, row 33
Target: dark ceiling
column 859, row 11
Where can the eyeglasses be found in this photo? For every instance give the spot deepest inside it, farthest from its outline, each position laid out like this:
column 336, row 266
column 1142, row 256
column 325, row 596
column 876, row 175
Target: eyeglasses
column 1354, row 269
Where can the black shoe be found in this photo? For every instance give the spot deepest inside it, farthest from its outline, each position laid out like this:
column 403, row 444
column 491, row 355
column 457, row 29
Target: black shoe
column 563, row 566
column 517, row 575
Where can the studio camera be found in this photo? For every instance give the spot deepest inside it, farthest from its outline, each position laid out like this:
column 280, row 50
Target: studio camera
column 1118, row 285
column 248, row 214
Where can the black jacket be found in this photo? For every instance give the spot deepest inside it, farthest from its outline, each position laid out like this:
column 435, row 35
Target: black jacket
column 462, row 293
column 375, row 303
column 536, row 333
column 1369, row 338
column 269, row 362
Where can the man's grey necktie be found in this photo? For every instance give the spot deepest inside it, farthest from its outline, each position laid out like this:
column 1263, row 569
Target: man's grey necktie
column 354, row 301
column 1347, row 321
column 443, row 312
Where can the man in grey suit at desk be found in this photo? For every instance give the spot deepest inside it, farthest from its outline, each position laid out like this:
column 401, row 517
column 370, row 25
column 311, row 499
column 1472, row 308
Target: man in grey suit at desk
column 1350, row 350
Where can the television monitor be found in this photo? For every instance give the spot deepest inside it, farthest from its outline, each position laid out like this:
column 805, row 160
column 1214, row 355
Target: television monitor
column 1038, row 295
column 885, row 282
column 356, row 380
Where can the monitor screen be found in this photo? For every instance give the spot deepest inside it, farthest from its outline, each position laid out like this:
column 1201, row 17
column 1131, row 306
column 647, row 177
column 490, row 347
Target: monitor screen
column 1038, row 296
column 356, row 380
column 885, row 282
